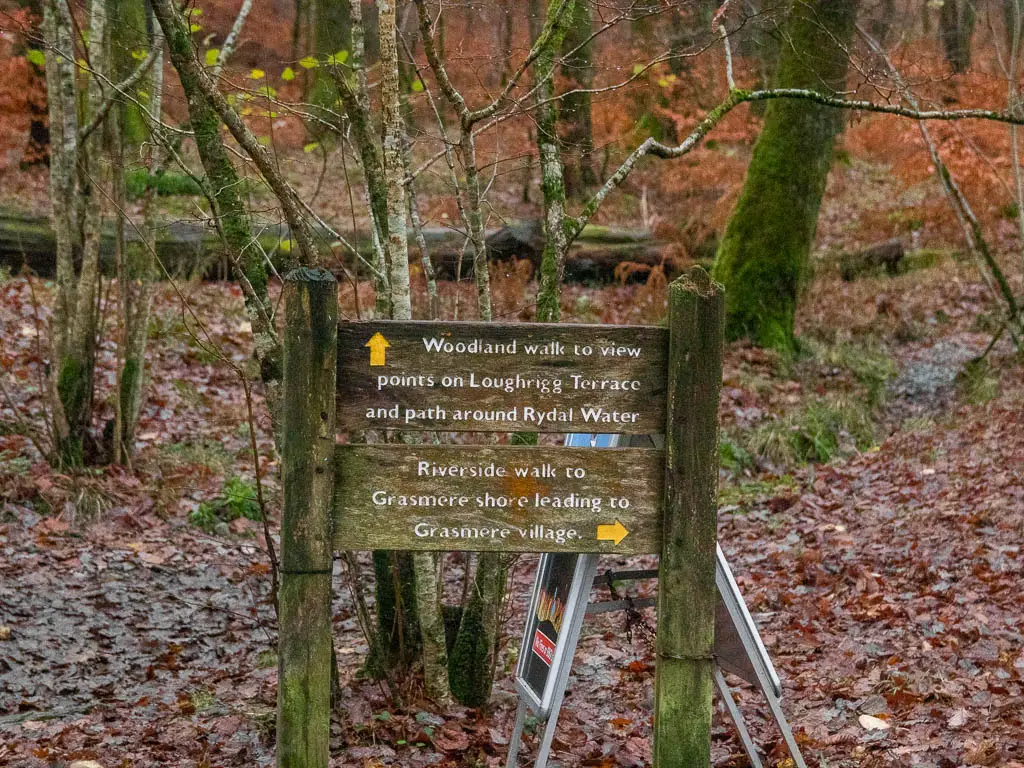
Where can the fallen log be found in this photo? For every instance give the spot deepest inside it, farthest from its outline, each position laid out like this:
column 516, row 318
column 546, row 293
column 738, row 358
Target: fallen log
column 189, row 249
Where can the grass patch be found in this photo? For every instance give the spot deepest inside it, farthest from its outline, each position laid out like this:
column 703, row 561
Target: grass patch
column 816, row 433
column 205, row 453
column 869, row 364
column 733, row 456
column 924, row 258
column 202, row 700
column 237, row 499
column 188, row 392
column 977, row 383
column 755, row 492
column 267, row 659
column 918, row 425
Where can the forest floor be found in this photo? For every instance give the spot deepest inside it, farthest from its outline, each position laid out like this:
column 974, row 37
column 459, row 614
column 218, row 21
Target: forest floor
column 872, row 509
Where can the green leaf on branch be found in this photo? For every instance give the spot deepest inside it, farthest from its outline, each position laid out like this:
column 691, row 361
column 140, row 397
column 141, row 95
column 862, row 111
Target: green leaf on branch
column 337, row 59
column 257, row 74
column 36, row 57
column 212, row 54
column 417, row 85
column 308, row 62
column 311, row 147
column 288, row 75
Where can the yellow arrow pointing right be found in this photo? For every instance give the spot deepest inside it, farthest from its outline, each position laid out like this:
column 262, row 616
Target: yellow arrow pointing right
column 377, row 345
column 614, row 533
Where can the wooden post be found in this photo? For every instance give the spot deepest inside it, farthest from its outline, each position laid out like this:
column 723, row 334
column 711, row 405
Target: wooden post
column 305, row 647
column 684, row 679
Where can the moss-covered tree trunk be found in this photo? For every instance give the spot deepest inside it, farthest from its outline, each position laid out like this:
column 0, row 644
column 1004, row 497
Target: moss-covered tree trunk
column 471, row 662
column 764, row 254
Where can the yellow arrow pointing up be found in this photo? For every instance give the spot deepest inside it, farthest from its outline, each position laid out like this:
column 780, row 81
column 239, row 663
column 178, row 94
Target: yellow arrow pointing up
column 613, row 533
column 377, row 345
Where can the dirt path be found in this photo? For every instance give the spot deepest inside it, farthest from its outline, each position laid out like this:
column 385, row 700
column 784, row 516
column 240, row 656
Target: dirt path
column 889, row 588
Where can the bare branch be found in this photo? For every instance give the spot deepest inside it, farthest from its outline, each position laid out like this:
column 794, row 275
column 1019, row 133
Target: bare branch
column 718, row 24
column 121, row 88
column 232, row 39
column 737, row 97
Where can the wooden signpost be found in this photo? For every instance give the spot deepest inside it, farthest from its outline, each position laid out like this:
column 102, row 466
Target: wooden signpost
column 416, row 376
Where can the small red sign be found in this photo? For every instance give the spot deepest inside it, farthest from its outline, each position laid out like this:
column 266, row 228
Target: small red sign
column 543, row 647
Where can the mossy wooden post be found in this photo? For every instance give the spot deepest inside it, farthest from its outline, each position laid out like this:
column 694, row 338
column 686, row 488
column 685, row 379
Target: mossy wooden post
column 304, row 652
column 684, row 679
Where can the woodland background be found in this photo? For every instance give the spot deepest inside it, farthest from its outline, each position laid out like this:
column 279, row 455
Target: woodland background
column 872, row 501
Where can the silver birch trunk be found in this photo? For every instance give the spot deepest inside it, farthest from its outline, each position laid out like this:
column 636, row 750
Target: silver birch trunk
column 428, row 602
column 60, row 87
column 76, row 212
column 394, row 166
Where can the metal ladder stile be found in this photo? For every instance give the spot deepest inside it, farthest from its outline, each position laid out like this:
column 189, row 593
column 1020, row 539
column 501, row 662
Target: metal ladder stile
column 750, row 661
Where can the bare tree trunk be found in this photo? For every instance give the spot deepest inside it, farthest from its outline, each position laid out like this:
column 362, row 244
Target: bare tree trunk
column 428, row 603
column 429, row 274
column 63, row 113
column 956, row 27
column 355, row 96
column 556, row 237
column 76, row 313
column 299, row 26
column 394, row 165
column 578, row 70
column 137, row 272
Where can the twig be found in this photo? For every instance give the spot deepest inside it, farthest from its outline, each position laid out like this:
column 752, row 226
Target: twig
column 232, row 39
column 718, row 25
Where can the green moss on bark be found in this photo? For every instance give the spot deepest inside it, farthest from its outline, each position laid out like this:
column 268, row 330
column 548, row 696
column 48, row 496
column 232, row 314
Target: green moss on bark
column 470, row 663
column 74, row 388
column 763, row 257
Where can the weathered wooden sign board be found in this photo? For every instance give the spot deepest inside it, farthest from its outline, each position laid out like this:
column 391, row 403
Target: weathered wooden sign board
column 484, row 377
column 481, row 377
column 500, row 498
